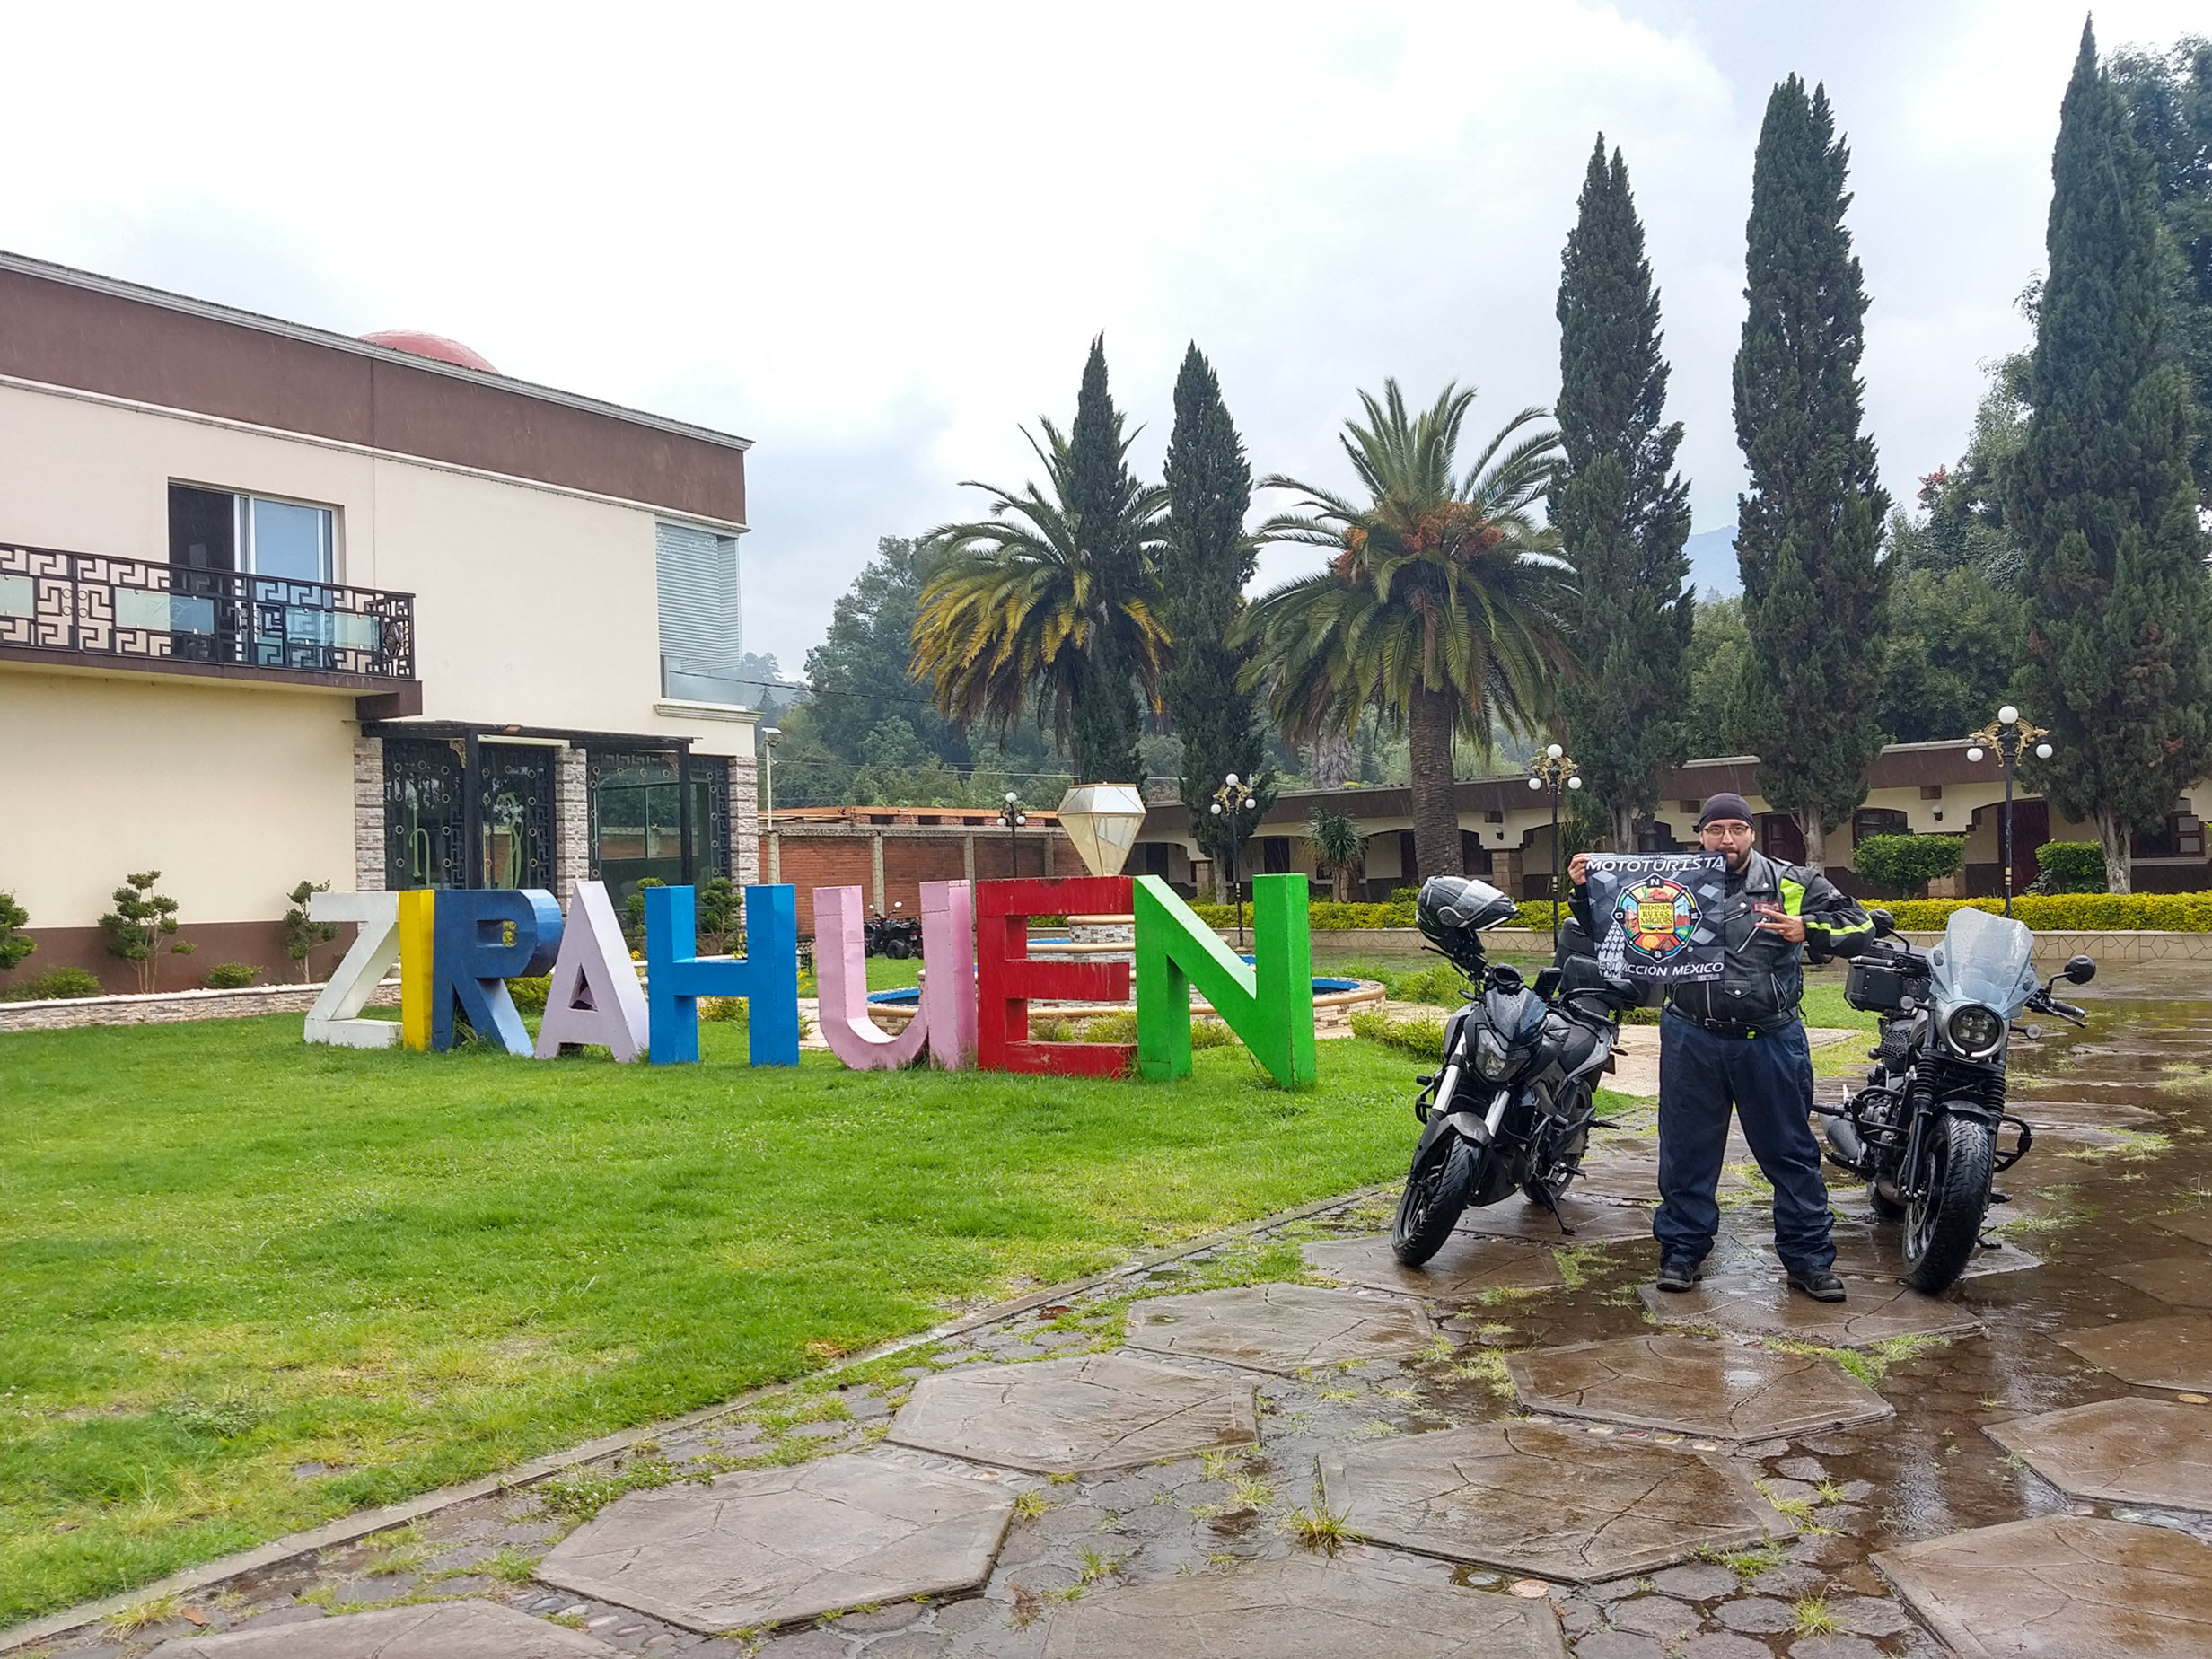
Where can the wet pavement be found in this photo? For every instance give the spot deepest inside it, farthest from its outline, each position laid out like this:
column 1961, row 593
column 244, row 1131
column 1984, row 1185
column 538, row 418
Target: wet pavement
column 1508, row 1455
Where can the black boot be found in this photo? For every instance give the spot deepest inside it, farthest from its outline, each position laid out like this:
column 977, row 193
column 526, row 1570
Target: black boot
column 1820, row 1284
column 1679, row 1273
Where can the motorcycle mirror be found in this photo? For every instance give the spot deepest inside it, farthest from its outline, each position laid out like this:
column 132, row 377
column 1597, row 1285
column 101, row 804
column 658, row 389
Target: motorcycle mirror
column 1885, row 924
column 1547, row 982
column 2081, row 969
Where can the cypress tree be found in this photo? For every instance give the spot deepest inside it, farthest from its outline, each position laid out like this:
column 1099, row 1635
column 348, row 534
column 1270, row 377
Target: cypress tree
column 1808, row 535
column 1205, row 564
column 2119, row 614
column 1109, row 714
column 1621, row 512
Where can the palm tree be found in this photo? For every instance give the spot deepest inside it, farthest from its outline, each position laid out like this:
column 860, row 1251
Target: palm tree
column 1442, row 606
column 1022, row 611
column 1336, row 842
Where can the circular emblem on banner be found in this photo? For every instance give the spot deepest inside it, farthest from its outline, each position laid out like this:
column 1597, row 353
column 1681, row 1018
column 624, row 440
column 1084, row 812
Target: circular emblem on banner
column 1655, row 916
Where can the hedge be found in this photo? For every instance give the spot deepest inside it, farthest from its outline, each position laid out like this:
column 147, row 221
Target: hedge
column 2071, row 912
column 2048, row 912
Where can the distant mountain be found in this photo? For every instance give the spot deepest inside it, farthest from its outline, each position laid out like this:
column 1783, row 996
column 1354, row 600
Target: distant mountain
column 1713, row 561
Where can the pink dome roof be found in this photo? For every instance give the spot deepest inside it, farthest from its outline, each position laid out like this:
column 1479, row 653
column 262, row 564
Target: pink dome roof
column 429, row 346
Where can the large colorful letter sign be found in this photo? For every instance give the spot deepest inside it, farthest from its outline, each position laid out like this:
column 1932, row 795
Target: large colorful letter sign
column 418, row 954
column 1006, row 977
column 474, row 959
column 945, row 1020
column 375, row 948
column 594, row 996
column 1269, row 1005
column 766, row 976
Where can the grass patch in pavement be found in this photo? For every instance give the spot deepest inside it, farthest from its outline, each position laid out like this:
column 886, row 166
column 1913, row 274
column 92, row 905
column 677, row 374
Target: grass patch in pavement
column 250, row 1286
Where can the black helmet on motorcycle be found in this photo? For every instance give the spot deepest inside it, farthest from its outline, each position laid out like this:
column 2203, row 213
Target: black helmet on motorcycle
column 1452, row 909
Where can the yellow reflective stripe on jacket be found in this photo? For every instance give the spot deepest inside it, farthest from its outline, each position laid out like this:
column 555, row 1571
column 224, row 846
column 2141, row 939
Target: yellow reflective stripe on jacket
column 1793, row 904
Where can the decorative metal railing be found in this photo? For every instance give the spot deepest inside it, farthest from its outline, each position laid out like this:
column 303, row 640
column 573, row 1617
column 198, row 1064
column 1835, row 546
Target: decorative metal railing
column 136, row 608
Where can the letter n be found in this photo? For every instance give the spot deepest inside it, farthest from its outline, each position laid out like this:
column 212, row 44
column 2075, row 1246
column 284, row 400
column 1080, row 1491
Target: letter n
column 1270, row 1003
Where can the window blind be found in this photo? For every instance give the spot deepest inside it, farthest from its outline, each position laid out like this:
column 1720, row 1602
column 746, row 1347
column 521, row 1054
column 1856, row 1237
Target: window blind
column 700, row 632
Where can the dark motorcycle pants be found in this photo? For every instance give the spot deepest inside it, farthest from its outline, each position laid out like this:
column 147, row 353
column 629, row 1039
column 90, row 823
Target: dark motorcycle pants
column 1767, row 1078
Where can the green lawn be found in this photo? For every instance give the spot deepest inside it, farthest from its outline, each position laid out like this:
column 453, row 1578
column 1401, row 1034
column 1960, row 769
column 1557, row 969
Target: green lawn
column 226, row 1257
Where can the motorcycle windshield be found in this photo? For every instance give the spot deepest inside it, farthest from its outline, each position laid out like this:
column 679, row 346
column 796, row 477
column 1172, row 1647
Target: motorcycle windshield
column 1513, row 1015
column 1985, row 959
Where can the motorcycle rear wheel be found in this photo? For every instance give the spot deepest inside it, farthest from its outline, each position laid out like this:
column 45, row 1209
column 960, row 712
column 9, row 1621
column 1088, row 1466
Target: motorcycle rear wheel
column 1942, row 1227
column 1436, row 1190
column 1548, row 1187
column 896, row 949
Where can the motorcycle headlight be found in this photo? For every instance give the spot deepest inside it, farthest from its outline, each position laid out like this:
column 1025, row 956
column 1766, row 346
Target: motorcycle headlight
column 1974, row 1030
column 1491, row 1060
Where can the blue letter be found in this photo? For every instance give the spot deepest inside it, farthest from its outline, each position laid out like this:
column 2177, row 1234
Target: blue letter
column 473, row 963
column 766, row 976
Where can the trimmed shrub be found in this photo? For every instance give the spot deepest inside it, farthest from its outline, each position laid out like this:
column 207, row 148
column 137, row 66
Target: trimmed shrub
column 1404, row 895
column 2072, row 912
column 529, row 993
column 233, row 976
column 55, row 983
column 2070, row 867
column 13, row 919
column 1907, row 863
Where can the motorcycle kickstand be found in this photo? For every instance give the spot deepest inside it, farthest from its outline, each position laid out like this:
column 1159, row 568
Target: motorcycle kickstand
column 1551, row 1203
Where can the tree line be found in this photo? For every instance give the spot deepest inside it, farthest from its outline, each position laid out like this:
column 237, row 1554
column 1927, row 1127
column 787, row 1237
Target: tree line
column 1095, row 625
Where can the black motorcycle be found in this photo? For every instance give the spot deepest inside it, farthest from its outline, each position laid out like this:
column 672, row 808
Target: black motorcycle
column 1511, row 1109
column 894, row 936
column 1924, row 1132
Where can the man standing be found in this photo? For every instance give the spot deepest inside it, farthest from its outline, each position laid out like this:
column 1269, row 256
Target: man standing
column 1739, row 1040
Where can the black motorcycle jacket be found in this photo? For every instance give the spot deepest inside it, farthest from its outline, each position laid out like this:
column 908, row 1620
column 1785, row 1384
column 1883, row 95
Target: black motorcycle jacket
column 1764, row 979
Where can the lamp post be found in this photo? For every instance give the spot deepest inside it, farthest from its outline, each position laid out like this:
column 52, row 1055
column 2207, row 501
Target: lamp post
column 770, row 737
column 1554, row 769
column 2008, row 734
column 1232, row 800
column 1011, row 817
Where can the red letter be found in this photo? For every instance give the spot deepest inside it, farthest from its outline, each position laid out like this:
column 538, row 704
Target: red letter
column 1007, row 977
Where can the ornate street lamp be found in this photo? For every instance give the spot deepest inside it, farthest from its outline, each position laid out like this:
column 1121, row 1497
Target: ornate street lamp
column 770, row 737
column 1232, row 802
column 1554, row 769
column 1011, row 818
column 2008, row 734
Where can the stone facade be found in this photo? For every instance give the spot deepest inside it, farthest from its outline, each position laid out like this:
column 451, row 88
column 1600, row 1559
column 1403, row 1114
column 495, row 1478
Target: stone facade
column 744, row 849
column 571, row 824
column 369, row 814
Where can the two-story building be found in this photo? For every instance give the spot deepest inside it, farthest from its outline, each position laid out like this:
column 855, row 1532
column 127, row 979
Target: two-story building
column 281, row 605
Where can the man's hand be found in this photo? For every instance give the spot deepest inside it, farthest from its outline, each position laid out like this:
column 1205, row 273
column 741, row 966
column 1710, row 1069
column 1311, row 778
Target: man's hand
column 1578, row 869
column 1791, row 927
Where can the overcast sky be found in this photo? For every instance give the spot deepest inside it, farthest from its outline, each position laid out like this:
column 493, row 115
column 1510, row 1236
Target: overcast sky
column 878, row 240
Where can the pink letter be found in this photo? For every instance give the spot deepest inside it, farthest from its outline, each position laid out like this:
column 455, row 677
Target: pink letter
column 945, row 1018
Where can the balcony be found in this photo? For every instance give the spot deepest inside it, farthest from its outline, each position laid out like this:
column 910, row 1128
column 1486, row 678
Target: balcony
column 89, row 610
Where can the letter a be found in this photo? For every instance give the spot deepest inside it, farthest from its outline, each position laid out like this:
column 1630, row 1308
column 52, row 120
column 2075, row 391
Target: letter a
column 595, row 996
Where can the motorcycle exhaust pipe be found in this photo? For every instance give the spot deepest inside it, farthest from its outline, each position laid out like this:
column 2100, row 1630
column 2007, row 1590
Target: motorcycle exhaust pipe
column 1844, row 1138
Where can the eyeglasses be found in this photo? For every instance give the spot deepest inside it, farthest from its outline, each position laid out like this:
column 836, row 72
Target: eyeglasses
column 1731, row 827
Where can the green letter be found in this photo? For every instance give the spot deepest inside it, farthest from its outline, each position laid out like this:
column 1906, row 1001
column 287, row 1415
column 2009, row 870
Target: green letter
column 1270, row 1006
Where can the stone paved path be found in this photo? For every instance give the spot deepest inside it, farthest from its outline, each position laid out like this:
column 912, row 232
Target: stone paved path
column 1520, row 1450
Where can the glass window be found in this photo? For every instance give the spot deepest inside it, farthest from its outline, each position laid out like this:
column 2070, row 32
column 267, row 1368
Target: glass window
column 290, row 540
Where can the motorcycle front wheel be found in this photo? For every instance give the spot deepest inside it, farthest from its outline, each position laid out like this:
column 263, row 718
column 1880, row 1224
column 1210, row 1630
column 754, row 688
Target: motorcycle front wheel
column 1436, row 1190
column 1944, row 1224
column 896, row 949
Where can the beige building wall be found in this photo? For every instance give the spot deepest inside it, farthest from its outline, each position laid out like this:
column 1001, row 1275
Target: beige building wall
column 234, row 793
column 534, row 606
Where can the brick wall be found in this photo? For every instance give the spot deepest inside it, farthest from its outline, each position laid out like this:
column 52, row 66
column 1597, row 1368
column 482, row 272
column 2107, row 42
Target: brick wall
column 844, row 856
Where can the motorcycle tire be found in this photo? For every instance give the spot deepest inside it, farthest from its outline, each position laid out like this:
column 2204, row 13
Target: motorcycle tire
column 897, row 950
column 1942, row 1227
column 1436, row 1188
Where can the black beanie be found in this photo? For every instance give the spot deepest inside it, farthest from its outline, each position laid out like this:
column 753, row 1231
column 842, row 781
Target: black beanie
column 1725, row 806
